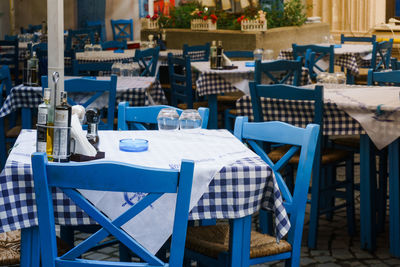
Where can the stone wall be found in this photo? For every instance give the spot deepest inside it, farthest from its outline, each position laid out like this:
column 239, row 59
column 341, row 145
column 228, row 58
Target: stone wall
column 276, row 39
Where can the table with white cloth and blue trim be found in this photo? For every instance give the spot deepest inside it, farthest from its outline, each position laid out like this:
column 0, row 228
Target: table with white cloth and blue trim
column 230, row 182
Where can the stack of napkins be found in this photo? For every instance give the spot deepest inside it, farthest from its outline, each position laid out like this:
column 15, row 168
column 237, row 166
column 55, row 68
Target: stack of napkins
column 82, row 145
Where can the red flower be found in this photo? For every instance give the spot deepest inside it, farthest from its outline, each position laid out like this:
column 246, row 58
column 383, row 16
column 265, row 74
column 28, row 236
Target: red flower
column 148, row 16
column 213, row 17
column 242, row 17
column 205, row 18
column 155, row 16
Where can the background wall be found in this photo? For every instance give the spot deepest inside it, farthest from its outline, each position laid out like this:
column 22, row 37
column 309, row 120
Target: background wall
column 4, row 18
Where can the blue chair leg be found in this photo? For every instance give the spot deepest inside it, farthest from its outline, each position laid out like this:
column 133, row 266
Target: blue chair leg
column 239, row 242
column 349, row 77
column 213, row 106
column 351, row 220
column 266, row 222
column 394, row 198
column 30, row 247
column 315, row 201
column 382, row 192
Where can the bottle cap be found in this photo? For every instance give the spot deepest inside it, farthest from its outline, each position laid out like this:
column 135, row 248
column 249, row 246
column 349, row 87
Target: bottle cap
column 214, row 43
column 34, row 53
column 219, row 42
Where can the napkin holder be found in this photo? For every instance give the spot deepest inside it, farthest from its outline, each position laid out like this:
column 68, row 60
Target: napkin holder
column 82, row 158
column 227, row 63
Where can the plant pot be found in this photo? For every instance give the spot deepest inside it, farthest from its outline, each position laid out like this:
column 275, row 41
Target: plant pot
column 253, row 25
column 149, row 24
column 202, row 25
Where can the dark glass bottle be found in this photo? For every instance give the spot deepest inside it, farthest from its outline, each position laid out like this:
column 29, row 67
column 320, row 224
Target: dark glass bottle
column 93, row 119
column 220, row 51
column 61, row 138
column 43, row 114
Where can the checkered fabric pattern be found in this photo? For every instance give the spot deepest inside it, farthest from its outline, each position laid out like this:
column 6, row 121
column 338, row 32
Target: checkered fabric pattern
column 22, row 96
column 349, row 61
column 301, row 113
column 236, row 191
column 213, row 83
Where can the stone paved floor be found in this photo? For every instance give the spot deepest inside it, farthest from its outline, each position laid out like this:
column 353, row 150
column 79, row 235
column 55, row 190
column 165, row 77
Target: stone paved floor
column 335, row 247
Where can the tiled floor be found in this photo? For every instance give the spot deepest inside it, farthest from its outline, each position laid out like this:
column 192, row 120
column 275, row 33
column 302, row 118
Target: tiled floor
column 335, row 247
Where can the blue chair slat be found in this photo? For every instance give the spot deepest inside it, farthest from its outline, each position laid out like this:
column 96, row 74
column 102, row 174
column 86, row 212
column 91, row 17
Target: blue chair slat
column 383, row 50
column 197, row 52
column 384, row 78
column 101, row 176
column 148, row 61
column 239, row 54
column 133, row 118
column 122, row 29
column 301, row 139
column 180, row 78
column 356, row 39
column 395, row 64
column 100, row 28
column 274, row 69
column 85, row 85
column 114, row 45
column 10, row 58
column 90, row 68
column 313, row 54
column 10, row 37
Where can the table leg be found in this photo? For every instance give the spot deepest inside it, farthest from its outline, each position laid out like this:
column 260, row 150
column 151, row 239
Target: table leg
column 350, row 79
column 367, row 194
column 240, row 242
column 394, row 198
column 30, row 247
column 26, row 118
column 213, row 106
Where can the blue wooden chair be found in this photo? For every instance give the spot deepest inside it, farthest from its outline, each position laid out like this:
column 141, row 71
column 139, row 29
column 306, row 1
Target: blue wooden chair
column 314, row 53
column 395, row 64
column 197, row 52
column 356, row 39
column 208, row 244
column 381, row 55
column 109, row 176
column 99, row 88
column 10, row 37
column 114, row 45
column 278, row 71
column 133, row 118
column 148, row 61
column 10, row 58
column 325, row 188
column 10, row 134
column 122, row 29
column 384, row 78
column 77, row 39
column 100, row 28
column 239, row 54
column 90, row 68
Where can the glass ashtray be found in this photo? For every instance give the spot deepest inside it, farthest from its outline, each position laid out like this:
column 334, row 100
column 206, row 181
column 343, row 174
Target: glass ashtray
column 133, row 145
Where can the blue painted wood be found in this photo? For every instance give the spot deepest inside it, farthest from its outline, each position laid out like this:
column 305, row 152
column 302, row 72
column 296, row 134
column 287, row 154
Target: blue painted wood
column 384, row 51
column 10, row 58
column 98, row 176
column 122, row 29
column 133, row 118
column 99, row 87
column 274, row 69
column 197, row 49
column 383, row 78
column 239, row 54
column 114, row 45
column 355, row 39
column 100, row 27
column 395, row 64
column 394, row 198
column 77, row 39
column 30, row 247
column 148, row 60
column 313, row 54
column 367, row 194
column 90, row 10
column 90, row 68
column 10, row 37
column 213, row 106
column 180, row 79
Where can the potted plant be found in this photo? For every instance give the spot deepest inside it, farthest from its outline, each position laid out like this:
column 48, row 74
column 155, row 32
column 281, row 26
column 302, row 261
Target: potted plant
column 256, row 23
column 203, row 20
column 150, row 22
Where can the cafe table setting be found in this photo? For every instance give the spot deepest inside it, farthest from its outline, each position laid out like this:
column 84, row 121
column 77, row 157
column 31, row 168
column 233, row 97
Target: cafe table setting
column 230, row 182
column 369, row 111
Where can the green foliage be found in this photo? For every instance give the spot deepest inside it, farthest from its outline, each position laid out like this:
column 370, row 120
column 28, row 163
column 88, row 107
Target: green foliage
column 291, row 13
column 181, row 15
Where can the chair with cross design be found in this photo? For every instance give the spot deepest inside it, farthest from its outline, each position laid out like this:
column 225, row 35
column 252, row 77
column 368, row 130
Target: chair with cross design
column 148, row 61
column 122, row 29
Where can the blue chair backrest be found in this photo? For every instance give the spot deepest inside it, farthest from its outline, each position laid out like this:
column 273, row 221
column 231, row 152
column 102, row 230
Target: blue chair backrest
column 77, row 39
column 197, row 52
column 287, row 92
column 122, row 29
column 109, row 176
column 133, row 118
column 10, row 37
column 239, row 54
column 5, row 82
column 381, row 55
column 98, row 87
column 90, row 68
column 114, row 45
column 395, row 64
column 313, row 54
column 148, row 60
column 100, row 27
column 355, row 39
column 10, row 57
column 180, row 79
column 279, row 71
column 299, row 138
column 384, row 77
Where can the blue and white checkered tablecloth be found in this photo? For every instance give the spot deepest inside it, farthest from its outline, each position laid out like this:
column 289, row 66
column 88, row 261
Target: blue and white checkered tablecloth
column 237, row 190
column 135, row 92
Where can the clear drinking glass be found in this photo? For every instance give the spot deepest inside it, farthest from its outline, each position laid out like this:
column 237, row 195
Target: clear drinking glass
column 125, row 70
column 88, row 47
column 322, row 77
column 116, row 68
column 268, row 54
column 168, row 119
column 258, row 54
column 190, row 119
column 97, row 47
column 341, row 78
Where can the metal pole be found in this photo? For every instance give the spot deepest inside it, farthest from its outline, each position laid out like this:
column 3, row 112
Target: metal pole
column 55, row 22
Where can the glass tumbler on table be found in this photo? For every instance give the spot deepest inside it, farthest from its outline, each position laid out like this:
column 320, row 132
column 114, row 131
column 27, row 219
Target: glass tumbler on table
column 190, row 119
column 168, row 119
column 258, row 54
